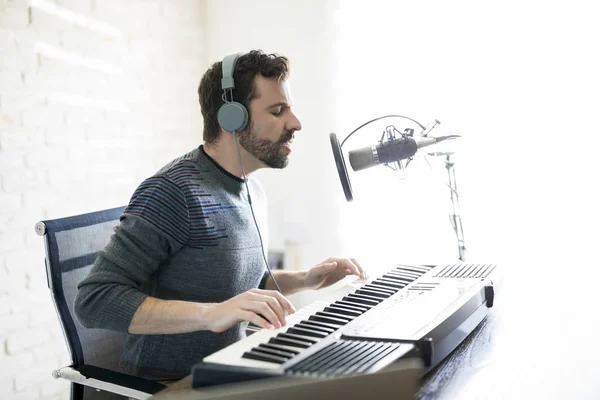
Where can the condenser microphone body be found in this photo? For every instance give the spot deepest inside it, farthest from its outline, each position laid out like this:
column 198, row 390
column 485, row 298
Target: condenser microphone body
column 388, row 152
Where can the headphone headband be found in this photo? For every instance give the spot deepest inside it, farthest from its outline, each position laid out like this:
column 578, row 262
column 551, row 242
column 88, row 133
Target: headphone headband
column 228, row 66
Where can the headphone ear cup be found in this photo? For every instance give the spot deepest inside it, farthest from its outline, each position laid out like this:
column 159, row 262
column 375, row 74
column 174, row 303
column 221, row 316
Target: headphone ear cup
column 232, row 117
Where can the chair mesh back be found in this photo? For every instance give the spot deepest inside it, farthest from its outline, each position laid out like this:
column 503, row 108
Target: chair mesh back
column 72, row 245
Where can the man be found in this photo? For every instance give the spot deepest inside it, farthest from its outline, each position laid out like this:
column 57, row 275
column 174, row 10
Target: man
column 184, row 272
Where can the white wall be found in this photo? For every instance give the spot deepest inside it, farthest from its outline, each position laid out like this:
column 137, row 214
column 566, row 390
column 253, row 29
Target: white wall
column 519, row 80
column 94, row 97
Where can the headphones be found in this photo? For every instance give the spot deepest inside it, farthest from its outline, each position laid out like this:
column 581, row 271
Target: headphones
column 232, row 116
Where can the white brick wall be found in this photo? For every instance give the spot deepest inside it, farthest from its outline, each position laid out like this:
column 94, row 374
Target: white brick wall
column 94, row 96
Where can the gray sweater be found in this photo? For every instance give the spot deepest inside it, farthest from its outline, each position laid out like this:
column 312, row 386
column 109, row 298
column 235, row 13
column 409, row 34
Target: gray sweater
column 187, row 234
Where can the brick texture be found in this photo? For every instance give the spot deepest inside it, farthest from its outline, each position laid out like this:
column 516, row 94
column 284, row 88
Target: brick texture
column 94, row 97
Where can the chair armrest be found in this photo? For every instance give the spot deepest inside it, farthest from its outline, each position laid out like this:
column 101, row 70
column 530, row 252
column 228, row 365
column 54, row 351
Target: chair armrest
column 110, row 381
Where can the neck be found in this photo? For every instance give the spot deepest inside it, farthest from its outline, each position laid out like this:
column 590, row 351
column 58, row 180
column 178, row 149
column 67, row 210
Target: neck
column 224, row 152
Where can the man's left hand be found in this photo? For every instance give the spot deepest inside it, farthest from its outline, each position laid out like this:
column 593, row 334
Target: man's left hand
column 331, row 271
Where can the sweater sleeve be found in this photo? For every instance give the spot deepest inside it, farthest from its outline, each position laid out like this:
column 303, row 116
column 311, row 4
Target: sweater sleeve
column 153, row 226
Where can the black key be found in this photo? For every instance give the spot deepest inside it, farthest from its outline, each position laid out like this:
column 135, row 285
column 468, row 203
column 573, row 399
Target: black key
column 343, row 311
column 255, row 355
column 357, row 303
column 289, row 342
column 279, row 348
column 352, row 306
column 414, row 269
column 396, row 282
column 338, row 316
column 366, row 296
column 310, row 325
column 338, row 304
column 386, row 289
column 323, row 324
column 277, row 353
column 388, row 284
column 400, row 279
column 405, row 275
column 306, row 332
column 295, row 336
column 361, row 300
column 373, row 294
column 328, row 320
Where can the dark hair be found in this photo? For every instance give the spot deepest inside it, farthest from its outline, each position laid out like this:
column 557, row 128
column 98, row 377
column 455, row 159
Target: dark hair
column 247, row 67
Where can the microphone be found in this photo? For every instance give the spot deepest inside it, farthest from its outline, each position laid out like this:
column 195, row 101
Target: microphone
column 391, row 151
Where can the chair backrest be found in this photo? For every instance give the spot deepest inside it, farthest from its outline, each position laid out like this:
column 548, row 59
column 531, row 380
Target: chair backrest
column 72, row 244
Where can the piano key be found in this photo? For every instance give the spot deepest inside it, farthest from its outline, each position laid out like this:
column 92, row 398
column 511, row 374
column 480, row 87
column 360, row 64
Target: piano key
column 393, row 285
column 353, row 301
column 360, row 300
column 323, row 324
column 289, row 342
column 298, row 337
column 333, row 315
column 254, row 355
column 403, row 274
column 278, row 353
column 352, row 306
column 280, row 348
column 413, row 268
column 373, row 293
column 406, row 274
column 401, row 279
column 395, row 282
column 386, row 289
column 306, row 332
column 367, row 297
column 328, row 320
column 343, row 311
column 347, row 307
column 309, row 325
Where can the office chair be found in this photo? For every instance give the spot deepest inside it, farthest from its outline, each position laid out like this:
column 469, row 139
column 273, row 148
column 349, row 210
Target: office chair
column 72, row 244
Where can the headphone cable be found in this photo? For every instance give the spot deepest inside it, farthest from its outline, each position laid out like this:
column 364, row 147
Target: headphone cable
column 252, row 210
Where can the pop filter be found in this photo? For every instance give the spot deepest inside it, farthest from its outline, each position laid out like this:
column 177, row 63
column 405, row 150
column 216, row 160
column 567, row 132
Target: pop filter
column 341, row 166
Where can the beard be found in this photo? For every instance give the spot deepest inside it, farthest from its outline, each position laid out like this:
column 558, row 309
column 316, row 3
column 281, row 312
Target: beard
column 265, row 150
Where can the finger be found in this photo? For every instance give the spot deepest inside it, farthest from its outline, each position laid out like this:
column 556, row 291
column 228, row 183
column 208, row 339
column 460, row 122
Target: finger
column 266, row 311
column 268, row 298
column 363, row 273
column 283, row 301
column 274, row 304
column 255, row 318
column 349, row 265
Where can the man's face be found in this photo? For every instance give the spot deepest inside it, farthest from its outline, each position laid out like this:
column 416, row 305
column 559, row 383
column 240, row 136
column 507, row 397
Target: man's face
column 270, row 132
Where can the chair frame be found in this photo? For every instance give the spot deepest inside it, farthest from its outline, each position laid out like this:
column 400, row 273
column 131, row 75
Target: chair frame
column 79, row 373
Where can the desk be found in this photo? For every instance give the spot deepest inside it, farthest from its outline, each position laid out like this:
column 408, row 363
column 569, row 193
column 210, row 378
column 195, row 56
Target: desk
column 539, row 341
column 534, row 344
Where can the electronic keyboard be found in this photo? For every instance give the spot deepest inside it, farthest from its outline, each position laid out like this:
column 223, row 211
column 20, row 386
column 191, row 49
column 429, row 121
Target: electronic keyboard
column 420, row 311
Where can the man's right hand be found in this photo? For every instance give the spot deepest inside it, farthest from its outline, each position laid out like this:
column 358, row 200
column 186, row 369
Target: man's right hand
column 247, row 306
